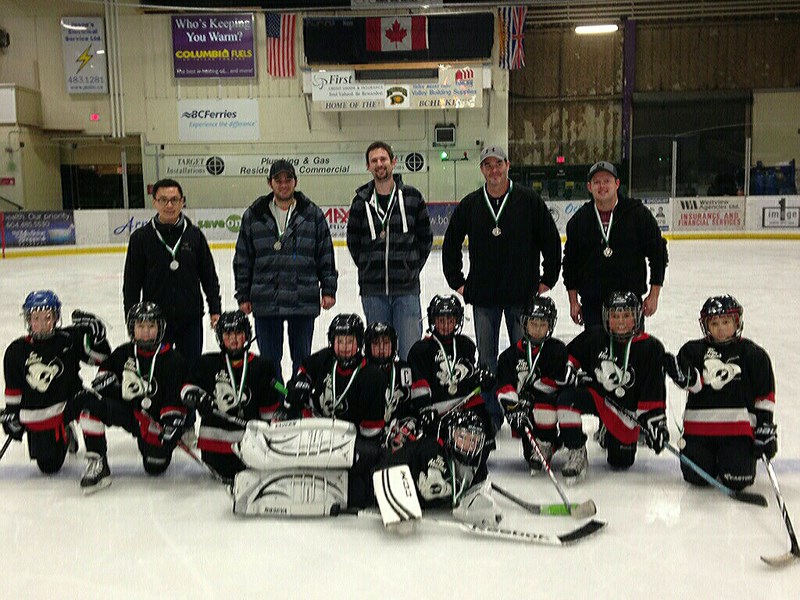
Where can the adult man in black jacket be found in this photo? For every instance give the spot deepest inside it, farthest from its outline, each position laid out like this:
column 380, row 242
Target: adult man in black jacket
column 509, row 229
column 167, row 261
column 608, row 240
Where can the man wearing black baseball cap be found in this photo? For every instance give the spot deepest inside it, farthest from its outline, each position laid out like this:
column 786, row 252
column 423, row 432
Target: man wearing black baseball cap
column 610, row 242
column 284, row 267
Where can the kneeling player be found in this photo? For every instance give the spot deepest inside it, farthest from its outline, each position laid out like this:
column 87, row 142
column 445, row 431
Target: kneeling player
column 341, row 444
column 623, row 365
column 380, row 348
column 529, row 376
column 42, row 377
column 229, row 388
column 728, row 421
column 138, row 389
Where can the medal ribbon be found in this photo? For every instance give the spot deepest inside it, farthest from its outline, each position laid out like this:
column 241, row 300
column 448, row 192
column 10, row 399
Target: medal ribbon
column 237, row 392
column 605, row 233
column 336, row 398
column 451, row 367
column 281, row 233
column 496, row 215
column 174, row 250
column 627, row 355
column 139, row 370
column 531, row 362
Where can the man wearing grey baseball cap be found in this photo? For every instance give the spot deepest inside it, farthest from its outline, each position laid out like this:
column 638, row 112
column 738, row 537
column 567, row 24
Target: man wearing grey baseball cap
column 514, row 253
column 610, row 242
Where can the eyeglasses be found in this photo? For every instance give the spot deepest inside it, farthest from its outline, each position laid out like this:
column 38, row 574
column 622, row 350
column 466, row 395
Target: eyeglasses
column 174, row 201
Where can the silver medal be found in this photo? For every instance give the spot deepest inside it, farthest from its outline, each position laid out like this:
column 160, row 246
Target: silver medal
column 619, row 392
column 452, row 388
column 383, row 234
column 496, row 232
column 607, row 252
column 277, row 245
column 146, row 403
column 174, row 265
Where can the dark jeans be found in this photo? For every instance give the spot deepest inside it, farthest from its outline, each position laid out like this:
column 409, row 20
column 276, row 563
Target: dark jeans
column 187, row 337
column 269, row 335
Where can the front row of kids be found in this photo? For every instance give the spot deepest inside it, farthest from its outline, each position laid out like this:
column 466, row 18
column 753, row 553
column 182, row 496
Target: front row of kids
column 428, row 413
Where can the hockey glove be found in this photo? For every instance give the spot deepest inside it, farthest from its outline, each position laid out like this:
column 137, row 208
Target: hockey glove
column 105, row 382
column 484, row 379
column 685, row 378
column 520, row 423
column 172, row 427
column 12, row 425
column 200, row 400
column 91, row 323
column 429, row 421
column 655, row 423
column 766, row 440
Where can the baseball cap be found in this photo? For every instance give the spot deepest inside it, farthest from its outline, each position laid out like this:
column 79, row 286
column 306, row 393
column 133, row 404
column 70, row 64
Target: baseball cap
column 603, row 165
column 493, row 151
column 282, row 166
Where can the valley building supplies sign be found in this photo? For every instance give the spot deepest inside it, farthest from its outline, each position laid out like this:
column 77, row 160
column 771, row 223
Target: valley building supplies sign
column 258, row 165
column 333, row 91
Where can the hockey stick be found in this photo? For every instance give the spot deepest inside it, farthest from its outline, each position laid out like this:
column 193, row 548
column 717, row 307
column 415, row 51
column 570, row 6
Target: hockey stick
column 584, row 510
column 746, row 497
column 793, row 554
column 9, row 439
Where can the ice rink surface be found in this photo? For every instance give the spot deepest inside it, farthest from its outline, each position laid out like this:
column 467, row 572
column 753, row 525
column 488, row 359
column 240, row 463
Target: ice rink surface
column 175, row 536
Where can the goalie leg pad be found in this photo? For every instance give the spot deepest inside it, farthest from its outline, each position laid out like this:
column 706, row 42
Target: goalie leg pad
column 299, row 444
column 290, row 493
column 478, row 507
column 397, row 497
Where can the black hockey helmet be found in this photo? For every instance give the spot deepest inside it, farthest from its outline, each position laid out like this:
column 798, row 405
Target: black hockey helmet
column 146, row 311
column 543, row 308
column 234, row 321
column 465, row 437
column 41, row 300
column 623, row 301
column 347, row 324
column 442, row 306
column 722, row 305
column 375, row 331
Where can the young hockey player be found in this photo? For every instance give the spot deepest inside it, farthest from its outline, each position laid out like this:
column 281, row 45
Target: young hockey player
column 622, row 363
column 42, row 377
column 728, row 421
column 380, row 349
column 443, row 367
column 229, row 388
column 137, row 388
column 529, row 376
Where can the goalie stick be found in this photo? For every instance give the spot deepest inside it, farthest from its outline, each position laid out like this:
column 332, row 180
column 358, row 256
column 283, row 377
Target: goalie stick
column 746, row 497
column 793, row 555
column 584, row 510
column 5, row 446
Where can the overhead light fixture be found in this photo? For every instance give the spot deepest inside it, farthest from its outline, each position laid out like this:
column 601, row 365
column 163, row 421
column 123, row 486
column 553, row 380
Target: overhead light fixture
column 596, row 29
column 73, row 27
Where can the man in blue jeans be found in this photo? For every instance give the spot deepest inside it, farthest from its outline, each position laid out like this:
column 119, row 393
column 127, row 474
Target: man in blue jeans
column 284, row 267
column 389, row 237
column 511, row 233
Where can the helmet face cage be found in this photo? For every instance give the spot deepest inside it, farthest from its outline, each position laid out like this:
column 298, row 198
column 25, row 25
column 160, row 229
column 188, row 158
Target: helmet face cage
column 445, row 306
column 347, row 324
column 38, row 301
column 718, row 306
column 466, row 438
column 374, row 332
column 234, row 321
column 542, row 308
column 146, row 312
column 622, row 302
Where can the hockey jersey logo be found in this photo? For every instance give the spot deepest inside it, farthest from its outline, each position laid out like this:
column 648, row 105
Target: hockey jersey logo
column 39, row 375
column 329, row 405
column 716, row 373
column 613, row 378
column 450, row 379
column 432, row 483
column 134, row 386
column 399, row 394
column 225, row 396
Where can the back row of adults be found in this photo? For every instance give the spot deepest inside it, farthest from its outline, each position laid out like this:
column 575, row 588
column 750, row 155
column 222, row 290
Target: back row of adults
column 284, row 267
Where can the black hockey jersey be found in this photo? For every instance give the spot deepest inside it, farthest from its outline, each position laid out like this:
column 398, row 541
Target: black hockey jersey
column 355, row 395
column 151, row 382
column 253, row 398
column 737, row 388
column 43, row 376
column 398, row 389
column 443, row 373
column 629, row 373
column 549, row 362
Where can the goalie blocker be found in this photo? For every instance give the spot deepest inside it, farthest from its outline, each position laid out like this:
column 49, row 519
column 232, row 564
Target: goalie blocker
column 303, row 468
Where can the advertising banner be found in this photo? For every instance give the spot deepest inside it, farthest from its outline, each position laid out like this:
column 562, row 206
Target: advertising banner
column 214, row 45
column 83, row 48
column 662, row 211
column 773, row 213
column 49, row 228
column 721, row 213
column 230, row 120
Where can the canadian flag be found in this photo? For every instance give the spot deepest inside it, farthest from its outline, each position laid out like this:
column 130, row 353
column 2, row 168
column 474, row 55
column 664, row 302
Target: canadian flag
column 397, row 34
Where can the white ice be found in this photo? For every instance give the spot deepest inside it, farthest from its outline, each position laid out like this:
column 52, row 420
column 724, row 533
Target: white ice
column 175, row 536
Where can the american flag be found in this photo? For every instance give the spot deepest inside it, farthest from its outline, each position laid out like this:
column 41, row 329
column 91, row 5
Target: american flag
column 512, row 37
column 280, row 44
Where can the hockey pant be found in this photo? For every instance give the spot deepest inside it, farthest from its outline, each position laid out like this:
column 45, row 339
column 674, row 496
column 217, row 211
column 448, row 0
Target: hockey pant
column 730, row 458
column 99, row 413
column 48, row 447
